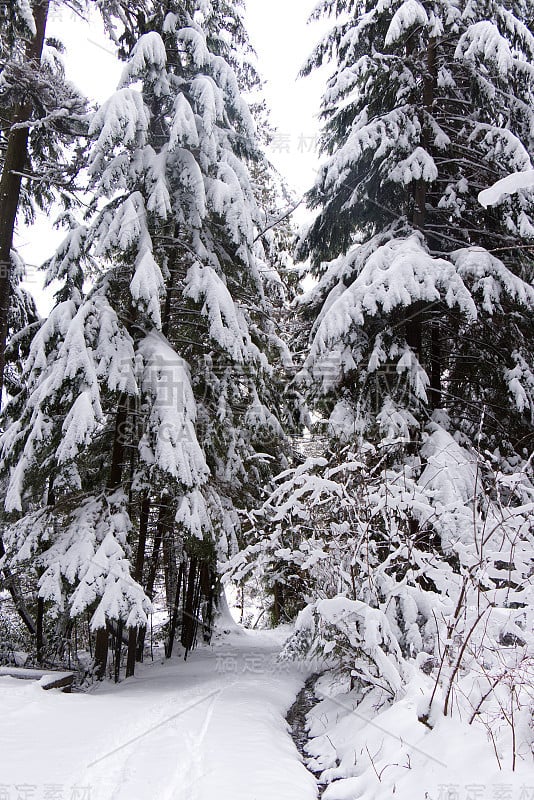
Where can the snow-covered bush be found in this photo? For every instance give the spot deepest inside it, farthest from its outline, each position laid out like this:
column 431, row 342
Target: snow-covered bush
column 357, row 637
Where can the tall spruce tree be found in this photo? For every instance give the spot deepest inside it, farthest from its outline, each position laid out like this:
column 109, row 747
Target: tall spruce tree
column 148, row 412
column 428, row 105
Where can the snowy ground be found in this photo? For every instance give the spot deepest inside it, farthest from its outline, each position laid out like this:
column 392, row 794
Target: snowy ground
column 210, row 729
column 371, row 749
column 214, row 729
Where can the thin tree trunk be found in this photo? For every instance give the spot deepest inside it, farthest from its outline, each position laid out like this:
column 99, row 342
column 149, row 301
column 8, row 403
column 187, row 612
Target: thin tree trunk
column 118, row 651
column 196, row 608
column 152, row 570
column 415, row 324
column 170, row 565
column 435, row 365
column 174, row 619
column 117, row 451
column 114, row 482
column 138, row 577
column 188, row 616
column 414, row 329
column 207, row 586
column 39, row 632
column 435, row 328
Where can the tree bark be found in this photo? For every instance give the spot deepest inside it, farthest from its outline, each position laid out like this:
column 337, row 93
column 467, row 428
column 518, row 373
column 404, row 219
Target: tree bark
column 174, row 619
column 189, row 615
column 207, row 586
column 101, row 653
column 153, row 570
column 170, row 563
column 118, row 651
column 39, row 633
column 435, row 328
column 435, row 365
column 415, row 324
column 278, row 604
column 138, row 576
column 114, row 482
column 12, row 585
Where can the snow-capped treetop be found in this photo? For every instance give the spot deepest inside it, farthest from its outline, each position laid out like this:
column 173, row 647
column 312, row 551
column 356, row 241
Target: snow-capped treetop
column 406, row 17
column 373, row 145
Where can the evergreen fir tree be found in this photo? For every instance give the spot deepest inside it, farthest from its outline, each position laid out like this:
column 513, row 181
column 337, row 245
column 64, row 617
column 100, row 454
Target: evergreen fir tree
column 42, row 114
column 428, row 105
column 168, row 355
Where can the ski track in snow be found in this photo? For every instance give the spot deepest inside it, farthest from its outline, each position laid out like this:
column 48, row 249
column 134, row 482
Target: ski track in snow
column 213, row 728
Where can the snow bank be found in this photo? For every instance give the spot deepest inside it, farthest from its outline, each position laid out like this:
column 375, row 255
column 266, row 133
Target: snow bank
column 371, row 749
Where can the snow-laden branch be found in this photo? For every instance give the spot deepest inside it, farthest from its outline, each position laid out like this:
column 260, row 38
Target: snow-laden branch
column 509, row 185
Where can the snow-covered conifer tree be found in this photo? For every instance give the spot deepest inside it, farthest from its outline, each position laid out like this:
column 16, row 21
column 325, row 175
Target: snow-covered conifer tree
column 428, row 104
column 151, row 397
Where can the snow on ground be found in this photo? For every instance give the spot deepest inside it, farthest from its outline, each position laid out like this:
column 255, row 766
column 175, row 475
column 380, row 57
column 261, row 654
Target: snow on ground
column 371, row 749
column 210, row 729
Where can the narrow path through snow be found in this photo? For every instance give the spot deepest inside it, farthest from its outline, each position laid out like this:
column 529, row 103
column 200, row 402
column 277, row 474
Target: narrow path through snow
column 210, row 729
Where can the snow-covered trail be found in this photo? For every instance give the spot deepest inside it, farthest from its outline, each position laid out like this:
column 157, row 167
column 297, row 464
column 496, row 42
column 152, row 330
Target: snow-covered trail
column 210, row 729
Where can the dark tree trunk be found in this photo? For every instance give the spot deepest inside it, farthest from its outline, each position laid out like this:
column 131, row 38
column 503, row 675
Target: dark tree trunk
column 39, row 632
column 415, row 325
column 435, row 365
column 101, row 653
column 189, row 610
column 117, row 450
column 118, row 651
column 435, row 328
column 153, row 569
column 414, row 329
column 132, row 652
column 170, row 564
column 277, row 603
column 138, row 576
column 114, row 482
column 174, row 619
column 207, row 585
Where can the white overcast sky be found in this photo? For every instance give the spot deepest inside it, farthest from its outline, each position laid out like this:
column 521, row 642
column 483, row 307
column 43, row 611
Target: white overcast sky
column 282, row 39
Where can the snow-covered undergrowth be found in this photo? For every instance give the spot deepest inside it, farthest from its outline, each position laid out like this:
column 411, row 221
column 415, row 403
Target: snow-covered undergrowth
column 423, row 574
column 457, row 723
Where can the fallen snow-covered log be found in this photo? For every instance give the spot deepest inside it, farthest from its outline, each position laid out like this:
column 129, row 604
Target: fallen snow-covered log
column 48, row 679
